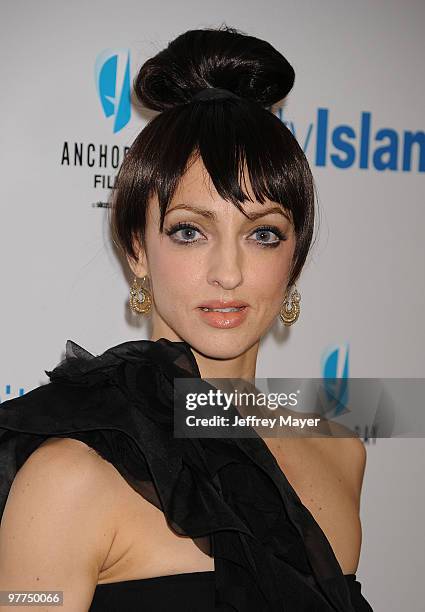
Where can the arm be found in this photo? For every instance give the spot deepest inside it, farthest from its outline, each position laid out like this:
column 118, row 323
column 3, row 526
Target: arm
column 355, row 465
column 349, row 454
column 58, row 524
column 346, row 460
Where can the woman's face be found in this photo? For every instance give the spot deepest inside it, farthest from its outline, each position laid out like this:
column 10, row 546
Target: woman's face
column 220, row 256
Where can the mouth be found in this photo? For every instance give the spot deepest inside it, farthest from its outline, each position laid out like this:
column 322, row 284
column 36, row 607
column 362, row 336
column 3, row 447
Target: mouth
column 229, row 309
column 224, row 317
column 223, row 306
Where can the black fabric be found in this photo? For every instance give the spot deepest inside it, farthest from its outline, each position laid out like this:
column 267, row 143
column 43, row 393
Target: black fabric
column 191, row 592
column 229, row 495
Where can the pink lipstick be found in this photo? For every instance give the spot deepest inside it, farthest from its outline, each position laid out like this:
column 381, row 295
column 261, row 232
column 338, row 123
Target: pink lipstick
column 223, row 315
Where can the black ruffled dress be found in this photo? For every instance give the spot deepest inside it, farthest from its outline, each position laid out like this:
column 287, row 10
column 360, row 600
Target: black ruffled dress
column 229, row 495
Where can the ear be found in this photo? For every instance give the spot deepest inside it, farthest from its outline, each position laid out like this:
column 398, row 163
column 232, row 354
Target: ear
column 138, row 266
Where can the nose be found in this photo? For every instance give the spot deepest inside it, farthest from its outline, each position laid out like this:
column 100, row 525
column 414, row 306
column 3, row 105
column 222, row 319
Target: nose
column 225, row 265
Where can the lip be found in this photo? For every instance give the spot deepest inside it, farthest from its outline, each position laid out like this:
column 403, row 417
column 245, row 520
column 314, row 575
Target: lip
column 224, row 320
column 222, row 304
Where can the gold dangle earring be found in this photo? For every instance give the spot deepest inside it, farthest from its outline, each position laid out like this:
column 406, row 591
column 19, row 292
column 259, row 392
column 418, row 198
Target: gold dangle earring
column 290, row 310
column 140, row 298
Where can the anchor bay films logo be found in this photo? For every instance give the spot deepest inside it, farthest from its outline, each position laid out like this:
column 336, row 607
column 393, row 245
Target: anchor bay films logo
column 112, row 87
column 336, row 386
column 335, row 364
column 112, row 75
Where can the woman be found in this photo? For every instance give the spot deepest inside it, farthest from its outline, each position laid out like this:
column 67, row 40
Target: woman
column 214, row 205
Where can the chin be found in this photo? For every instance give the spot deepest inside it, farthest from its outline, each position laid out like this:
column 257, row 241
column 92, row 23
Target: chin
column 222, row 346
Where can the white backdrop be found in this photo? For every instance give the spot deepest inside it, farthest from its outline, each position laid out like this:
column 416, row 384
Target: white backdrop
column 363, row 287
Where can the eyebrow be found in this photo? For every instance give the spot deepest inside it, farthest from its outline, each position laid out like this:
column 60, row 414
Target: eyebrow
column 209, row 214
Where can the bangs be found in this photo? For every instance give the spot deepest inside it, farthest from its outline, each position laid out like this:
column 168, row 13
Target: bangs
column 232, row 137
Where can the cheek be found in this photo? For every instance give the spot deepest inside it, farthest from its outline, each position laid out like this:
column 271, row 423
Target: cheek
column 270, row 274
column 171, row 275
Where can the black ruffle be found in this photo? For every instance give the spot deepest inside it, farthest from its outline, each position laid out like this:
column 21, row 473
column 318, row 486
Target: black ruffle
column 229, row 495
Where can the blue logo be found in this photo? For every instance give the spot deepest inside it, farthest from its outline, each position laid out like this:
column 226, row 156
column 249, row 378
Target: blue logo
column 360, row 146
column 335, row 378
column 112, row 72
column 8, row 393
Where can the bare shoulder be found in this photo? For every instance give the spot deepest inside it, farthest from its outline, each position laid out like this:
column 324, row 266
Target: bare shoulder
column 63, row 449
column 68, row 467
column 346, row 452
column 59, row 521
column 338, row 476
column 71, row 465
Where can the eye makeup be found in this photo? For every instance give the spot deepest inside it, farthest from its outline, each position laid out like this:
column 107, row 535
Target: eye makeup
column 183, row 225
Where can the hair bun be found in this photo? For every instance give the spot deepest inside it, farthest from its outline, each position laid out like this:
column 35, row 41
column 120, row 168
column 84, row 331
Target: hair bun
column 225, row 57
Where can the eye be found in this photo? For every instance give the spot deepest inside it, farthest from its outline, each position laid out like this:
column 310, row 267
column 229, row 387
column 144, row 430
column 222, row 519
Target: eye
column 187, row 230
column 268, row 229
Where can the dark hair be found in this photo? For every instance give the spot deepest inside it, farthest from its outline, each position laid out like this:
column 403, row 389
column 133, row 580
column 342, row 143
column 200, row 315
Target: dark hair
column 228, row 134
